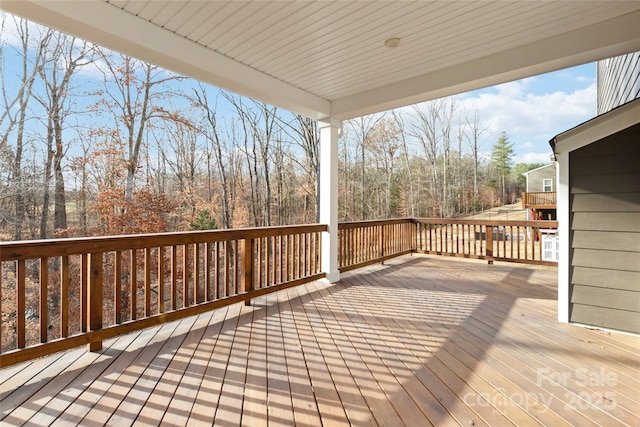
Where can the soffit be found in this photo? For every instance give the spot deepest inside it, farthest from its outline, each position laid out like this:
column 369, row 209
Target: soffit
column 323, row 58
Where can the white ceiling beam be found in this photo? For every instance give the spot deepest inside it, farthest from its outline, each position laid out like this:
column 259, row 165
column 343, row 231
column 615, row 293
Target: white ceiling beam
column 108, row 26
column 603, row 40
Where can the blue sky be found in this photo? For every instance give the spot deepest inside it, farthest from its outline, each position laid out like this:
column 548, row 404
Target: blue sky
column 533, row 110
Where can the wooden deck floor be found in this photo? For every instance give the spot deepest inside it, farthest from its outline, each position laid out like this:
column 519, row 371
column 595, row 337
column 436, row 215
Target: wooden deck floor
column 419, row 341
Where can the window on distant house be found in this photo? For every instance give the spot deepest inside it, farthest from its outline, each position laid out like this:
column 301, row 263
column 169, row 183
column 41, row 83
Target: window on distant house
column 547, row 184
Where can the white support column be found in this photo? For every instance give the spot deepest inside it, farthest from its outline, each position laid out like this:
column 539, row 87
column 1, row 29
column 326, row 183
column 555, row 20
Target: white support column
column 329, row 132
column 562, row 213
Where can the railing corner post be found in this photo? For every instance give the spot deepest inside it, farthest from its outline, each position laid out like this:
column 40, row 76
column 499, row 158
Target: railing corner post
column 94, row 297
column 248, row 249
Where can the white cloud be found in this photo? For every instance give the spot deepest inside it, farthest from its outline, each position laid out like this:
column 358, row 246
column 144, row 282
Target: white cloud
column 533, row 157
column 531, row 120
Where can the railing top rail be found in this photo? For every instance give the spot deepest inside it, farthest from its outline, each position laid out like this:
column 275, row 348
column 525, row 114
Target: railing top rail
column 72, row 246
column 492, row 223
column 372, row 223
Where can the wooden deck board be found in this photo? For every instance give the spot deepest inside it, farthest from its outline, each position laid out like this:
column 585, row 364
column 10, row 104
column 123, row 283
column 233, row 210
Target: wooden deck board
column 418, row 341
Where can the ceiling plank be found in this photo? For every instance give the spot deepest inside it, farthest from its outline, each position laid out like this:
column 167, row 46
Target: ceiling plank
column 106, row 25
column 605, row 39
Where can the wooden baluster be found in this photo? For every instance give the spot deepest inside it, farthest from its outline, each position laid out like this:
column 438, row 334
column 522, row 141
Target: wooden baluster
column 314, row 250
column 504, row 242
column 133, row 273
column 174, row 277
column 44, row 296
column 196, row 273
column 147, row 282
column 283, row 258
column 207, row 271
column 259, row 270
column 268, row 260
column 160, row 279
column 94, row 297
column 185, row 275
column 247, row 249
column 511, row 235
column 294, row 252
column 290, row 255
column 227, row 281
column 381, row 241
column 117, row 287
column 64, row 296
column 84, row 277
column 236, row 267
column 317, row 260
column 305, row 243
column 216, row 267
column 21, row 304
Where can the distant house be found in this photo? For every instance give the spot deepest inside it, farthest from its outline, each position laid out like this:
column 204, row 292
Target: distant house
column 539, row 199
column 599, row 220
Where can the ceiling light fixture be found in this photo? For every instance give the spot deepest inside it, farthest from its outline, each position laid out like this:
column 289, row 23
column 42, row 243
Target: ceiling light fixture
column 392, row 42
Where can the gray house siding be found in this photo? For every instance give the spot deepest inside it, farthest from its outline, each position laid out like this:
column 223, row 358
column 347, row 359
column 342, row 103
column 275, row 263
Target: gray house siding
column 536, row 177
column 604, row 188
column 618, row 81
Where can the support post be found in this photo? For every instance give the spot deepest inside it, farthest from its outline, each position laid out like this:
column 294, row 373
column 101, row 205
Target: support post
column 329, row 133
column 489, row 242
column 247, row 248
column 94, row 297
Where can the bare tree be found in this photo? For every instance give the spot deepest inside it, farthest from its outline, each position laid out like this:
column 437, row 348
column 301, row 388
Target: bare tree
column 132, row 93
column 400, row 125
column 14, row 116
column 65, row 55
column 210, row 130
column 473, row 134
column 385, row 143
column 362, row 127
column 304, row 133
column 424, row 128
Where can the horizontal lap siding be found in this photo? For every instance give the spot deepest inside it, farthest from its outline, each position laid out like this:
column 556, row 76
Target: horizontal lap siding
column 535, row 180
column 605, row 232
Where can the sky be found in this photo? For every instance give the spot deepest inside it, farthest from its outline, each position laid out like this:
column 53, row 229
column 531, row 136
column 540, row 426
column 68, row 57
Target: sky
column 533, row 110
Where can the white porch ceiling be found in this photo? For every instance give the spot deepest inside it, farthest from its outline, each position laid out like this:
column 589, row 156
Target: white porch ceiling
column 327, row 58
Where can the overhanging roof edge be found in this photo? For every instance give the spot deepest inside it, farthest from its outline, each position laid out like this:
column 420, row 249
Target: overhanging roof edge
column 599, row 127
column 614, row 37
column 161, row 47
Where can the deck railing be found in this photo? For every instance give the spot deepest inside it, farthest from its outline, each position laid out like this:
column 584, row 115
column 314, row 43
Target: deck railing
column 539, row 199
column 362, row 243
column 60, row 294
column 70, row 292
column 513, row 241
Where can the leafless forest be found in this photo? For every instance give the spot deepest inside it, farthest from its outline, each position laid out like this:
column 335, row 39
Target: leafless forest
column 93, row 142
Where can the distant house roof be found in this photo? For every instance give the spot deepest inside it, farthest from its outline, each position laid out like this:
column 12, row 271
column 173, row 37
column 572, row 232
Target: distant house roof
column 537, row 169
column 597, row 128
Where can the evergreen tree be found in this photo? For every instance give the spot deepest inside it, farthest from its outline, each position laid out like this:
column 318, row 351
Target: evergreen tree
column 502, row 158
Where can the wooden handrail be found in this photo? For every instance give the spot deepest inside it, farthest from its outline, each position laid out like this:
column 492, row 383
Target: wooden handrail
column 71, row 246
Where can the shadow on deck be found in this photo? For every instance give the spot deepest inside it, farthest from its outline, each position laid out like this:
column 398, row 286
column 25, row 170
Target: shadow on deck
column 417, row 341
